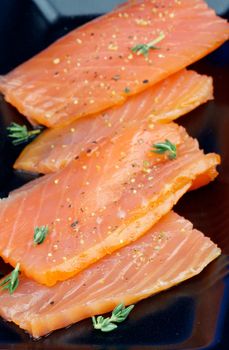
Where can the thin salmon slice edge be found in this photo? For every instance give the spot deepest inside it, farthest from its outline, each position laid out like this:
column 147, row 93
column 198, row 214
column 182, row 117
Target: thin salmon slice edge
column 102, row 201
column 93, row 67
column 56, row 148
column 169, row 253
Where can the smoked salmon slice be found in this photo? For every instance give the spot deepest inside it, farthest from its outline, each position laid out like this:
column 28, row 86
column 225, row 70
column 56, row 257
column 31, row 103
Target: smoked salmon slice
column 111, row 58
column 165, row 101
column 102, row 201
column 169, row 253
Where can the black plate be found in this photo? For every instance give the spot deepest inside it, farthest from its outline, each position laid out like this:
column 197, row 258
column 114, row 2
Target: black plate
column 194, row 315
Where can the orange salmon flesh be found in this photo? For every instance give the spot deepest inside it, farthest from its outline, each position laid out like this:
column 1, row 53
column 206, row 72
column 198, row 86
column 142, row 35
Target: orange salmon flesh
column 94, row 67
column 100, row 202
column 169, row 253
column 164, row 102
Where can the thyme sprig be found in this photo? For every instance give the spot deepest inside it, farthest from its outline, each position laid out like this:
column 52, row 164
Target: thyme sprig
column 40, row 233
column 20, row 133
column 11, row 282
column 119, row 314
column 167, row 148
column 143, row 49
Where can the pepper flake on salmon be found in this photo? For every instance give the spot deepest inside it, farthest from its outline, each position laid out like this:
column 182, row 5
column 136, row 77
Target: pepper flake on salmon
column 110, row 195
column 94, row 67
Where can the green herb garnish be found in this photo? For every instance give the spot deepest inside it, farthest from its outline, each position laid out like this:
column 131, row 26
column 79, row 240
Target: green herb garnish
column 127, row 90
column 40, row 234
column 11, row 282
column 119, row 314
column 143, row 49
column 166, row 147
column 20, row 133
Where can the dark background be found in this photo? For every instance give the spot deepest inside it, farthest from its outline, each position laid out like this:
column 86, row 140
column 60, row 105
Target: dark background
column 194, row 315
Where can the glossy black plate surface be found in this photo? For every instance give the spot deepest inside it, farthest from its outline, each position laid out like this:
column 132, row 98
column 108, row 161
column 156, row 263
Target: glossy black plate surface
column 194, row 315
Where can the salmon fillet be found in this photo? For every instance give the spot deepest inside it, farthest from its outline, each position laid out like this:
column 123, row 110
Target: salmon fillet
column 94, row 67
column 169, row 253
column 165, row 101
column 100, row 202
